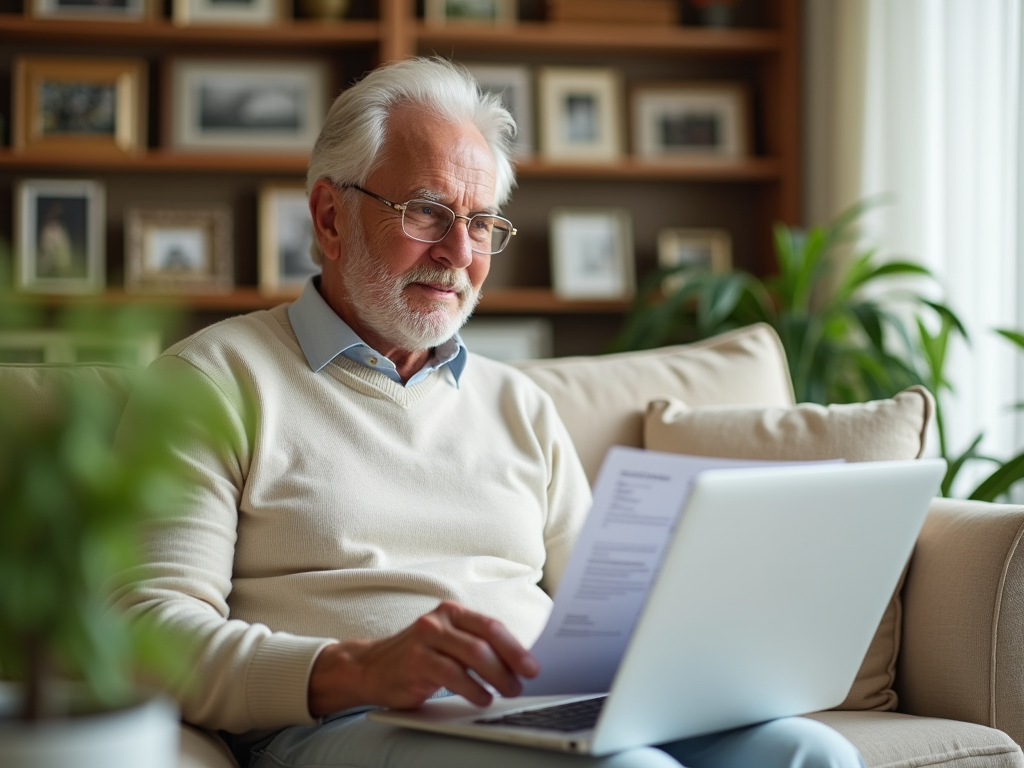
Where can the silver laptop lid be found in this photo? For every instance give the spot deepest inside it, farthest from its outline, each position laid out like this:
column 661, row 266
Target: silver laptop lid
column 769, row 594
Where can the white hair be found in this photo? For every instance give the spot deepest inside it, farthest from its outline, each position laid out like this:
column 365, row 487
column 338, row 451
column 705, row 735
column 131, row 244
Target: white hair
column 348, row 148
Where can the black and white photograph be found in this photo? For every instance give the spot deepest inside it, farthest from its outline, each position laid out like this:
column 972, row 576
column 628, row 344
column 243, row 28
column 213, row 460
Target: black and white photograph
column 690, row 120
column 178, row 250
column 513, row 84
column 109, row 10
column 470, row 11
column 59, row 236
column 83, row 104
column 186, row 12
column 592, row 253
column 285, row 235
column 580, row 114
column 246, row 106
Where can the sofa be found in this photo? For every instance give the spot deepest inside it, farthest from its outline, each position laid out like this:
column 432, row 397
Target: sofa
column 943, row 681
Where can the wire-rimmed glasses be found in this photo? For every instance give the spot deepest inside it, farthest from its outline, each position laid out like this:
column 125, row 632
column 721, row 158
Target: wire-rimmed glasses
column 429, row 222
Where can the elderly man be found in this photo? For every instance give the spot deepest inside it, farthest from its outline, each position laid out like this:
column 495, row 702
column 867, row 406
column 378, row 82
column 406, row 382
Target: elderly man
column 389, row 512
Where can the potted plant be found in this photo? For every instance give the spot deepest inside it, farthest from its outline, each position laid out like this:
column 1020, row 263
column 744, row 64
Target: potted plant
column 71, row 525
column 838, row 318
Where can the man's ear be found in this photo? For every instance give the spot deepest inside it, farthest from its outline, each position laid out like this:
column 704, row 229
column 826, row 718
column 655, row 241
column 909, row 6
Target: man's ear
column 329, row 219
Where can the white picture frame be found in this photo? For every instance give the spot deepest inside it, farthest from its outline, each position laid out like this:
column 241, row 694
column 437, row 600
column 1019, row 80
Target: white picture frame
column 178, row 250
column 513, row 84
column 687, row 121
column 241, row 105
column 60, row 236
column 470, row 11
column 256, row 12
column 509, row 340
column 51, row 346
column 285, row 236
column 592, row 253
column 579, row 114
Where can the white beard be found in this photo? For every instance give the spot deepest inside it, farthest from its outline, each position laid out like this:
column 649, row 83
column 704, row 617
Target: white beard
column 379, row 301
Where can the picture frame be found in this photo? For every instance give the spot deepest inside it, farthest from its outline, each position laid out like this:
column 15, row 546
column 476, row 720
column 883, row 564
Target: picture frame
column 513, row 84
column 579, row 114
column 592, row 253
column 702, row 249
column 107, row 10
column 79, row 105
column 285, row 236
column 256, row 12
column 238, row 105
column 51, row 346
column 509, row 340
column 688, row 121
column 59, row 235
column 178, row 250
column 470, row 11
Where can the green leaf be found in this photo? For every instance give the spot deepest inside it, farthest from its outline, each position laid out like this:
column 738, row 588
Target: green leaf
column 999, row 482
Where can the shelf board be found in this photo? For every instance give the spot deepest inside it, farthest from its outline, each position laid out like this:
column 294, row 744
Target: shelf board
column 745, row 169
column 497, row 301
column 297, row 33
column 620, row 38
column 170, row 161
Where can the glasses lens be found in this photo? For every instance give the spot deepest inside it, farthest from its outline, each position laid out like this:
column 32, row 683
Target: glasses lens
column 491, row 233
column 427, row 221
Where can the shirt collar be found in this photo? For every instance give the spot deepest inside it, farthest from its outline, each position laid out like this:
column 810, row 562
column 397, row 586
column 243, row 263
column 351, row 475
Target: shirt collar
column 323, row 335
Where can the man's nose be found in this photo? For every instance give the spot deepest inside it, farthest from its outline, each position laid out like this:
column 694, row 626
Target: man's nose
column 456, row 248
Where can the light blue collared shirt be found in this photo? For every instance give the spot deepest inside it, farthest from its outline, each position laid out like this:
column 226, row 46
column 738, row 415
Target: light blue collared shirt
column 323, row 336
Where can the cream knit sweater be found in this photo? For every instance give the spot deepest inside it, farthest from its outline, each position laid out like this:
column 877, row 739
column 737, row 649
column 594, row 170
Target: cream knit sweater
column 346, row 507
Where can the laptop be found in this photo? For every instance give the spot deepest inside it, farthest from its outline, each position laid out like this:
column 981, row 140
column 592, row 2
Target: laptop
column 771, row 586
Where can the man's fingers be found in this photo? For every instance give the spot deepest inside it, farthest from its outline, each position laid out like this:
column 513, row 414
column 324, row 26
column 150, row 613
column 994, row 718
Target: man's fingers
column 497, row 636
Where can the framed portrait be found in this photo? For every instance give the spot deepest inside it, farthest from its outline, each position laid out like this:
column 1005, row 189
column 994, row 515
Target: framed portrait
column 592, row 253
column 707, row 250
column 59, row 235
column 285, row 235
column 178, row 250
column 184, row 12
column 580, row 112
column 471, row 11
column 245, row 105
column 49, row 346
column 79, row 104
column 108, row 10
column 508, row 340
column 513, row 84
column 690, row 120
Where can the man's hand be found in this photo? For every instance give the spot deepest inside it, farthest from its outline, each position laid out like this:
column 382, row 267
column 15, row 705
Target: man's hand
column 438, row 651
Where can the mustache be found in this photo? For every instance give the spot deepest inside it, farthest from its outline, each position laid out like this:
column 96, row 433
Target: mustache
column 446, row 278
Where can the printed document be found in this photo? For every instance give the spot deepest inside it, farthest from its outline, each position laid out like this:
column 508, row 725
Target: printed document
column 637, row 500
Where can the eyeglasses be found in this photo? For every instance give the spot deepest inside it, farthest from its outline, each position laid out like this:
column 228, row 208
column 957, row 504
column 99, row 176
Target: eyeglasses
column 429, row 222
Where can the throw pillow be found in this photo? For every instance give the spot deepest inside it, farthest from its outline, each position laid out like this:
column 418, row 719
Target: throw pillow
column 876, row 431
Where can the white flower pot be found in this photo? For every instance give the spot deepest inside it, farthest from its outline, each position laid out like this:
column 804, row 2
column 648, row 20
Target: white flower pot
column 141, row 736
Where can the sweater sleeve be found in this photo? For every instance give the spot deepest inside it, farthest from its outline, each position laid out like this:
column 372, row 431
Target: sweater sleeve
column 244, row 676
column 568, row 497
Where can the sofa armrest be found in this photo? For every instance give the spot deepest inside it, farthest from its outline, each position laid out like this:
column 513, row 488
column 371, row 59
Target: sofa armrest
column 962, row 653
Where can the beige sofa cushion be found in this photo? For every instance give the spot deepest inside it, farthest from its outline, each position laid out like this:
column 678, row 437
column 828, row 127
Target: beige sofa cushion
column 893, row 740
column 876, row 431
column 602, row 399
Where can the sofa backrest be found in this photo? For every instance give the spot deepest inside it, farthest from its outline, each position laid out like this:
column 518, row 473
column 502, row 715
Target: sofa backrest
column 38, row 389
column 602, row 399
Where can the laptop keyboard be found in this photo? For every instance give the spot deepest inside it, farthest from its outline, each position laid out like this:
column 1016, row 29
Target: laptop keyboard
column 574, row 716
